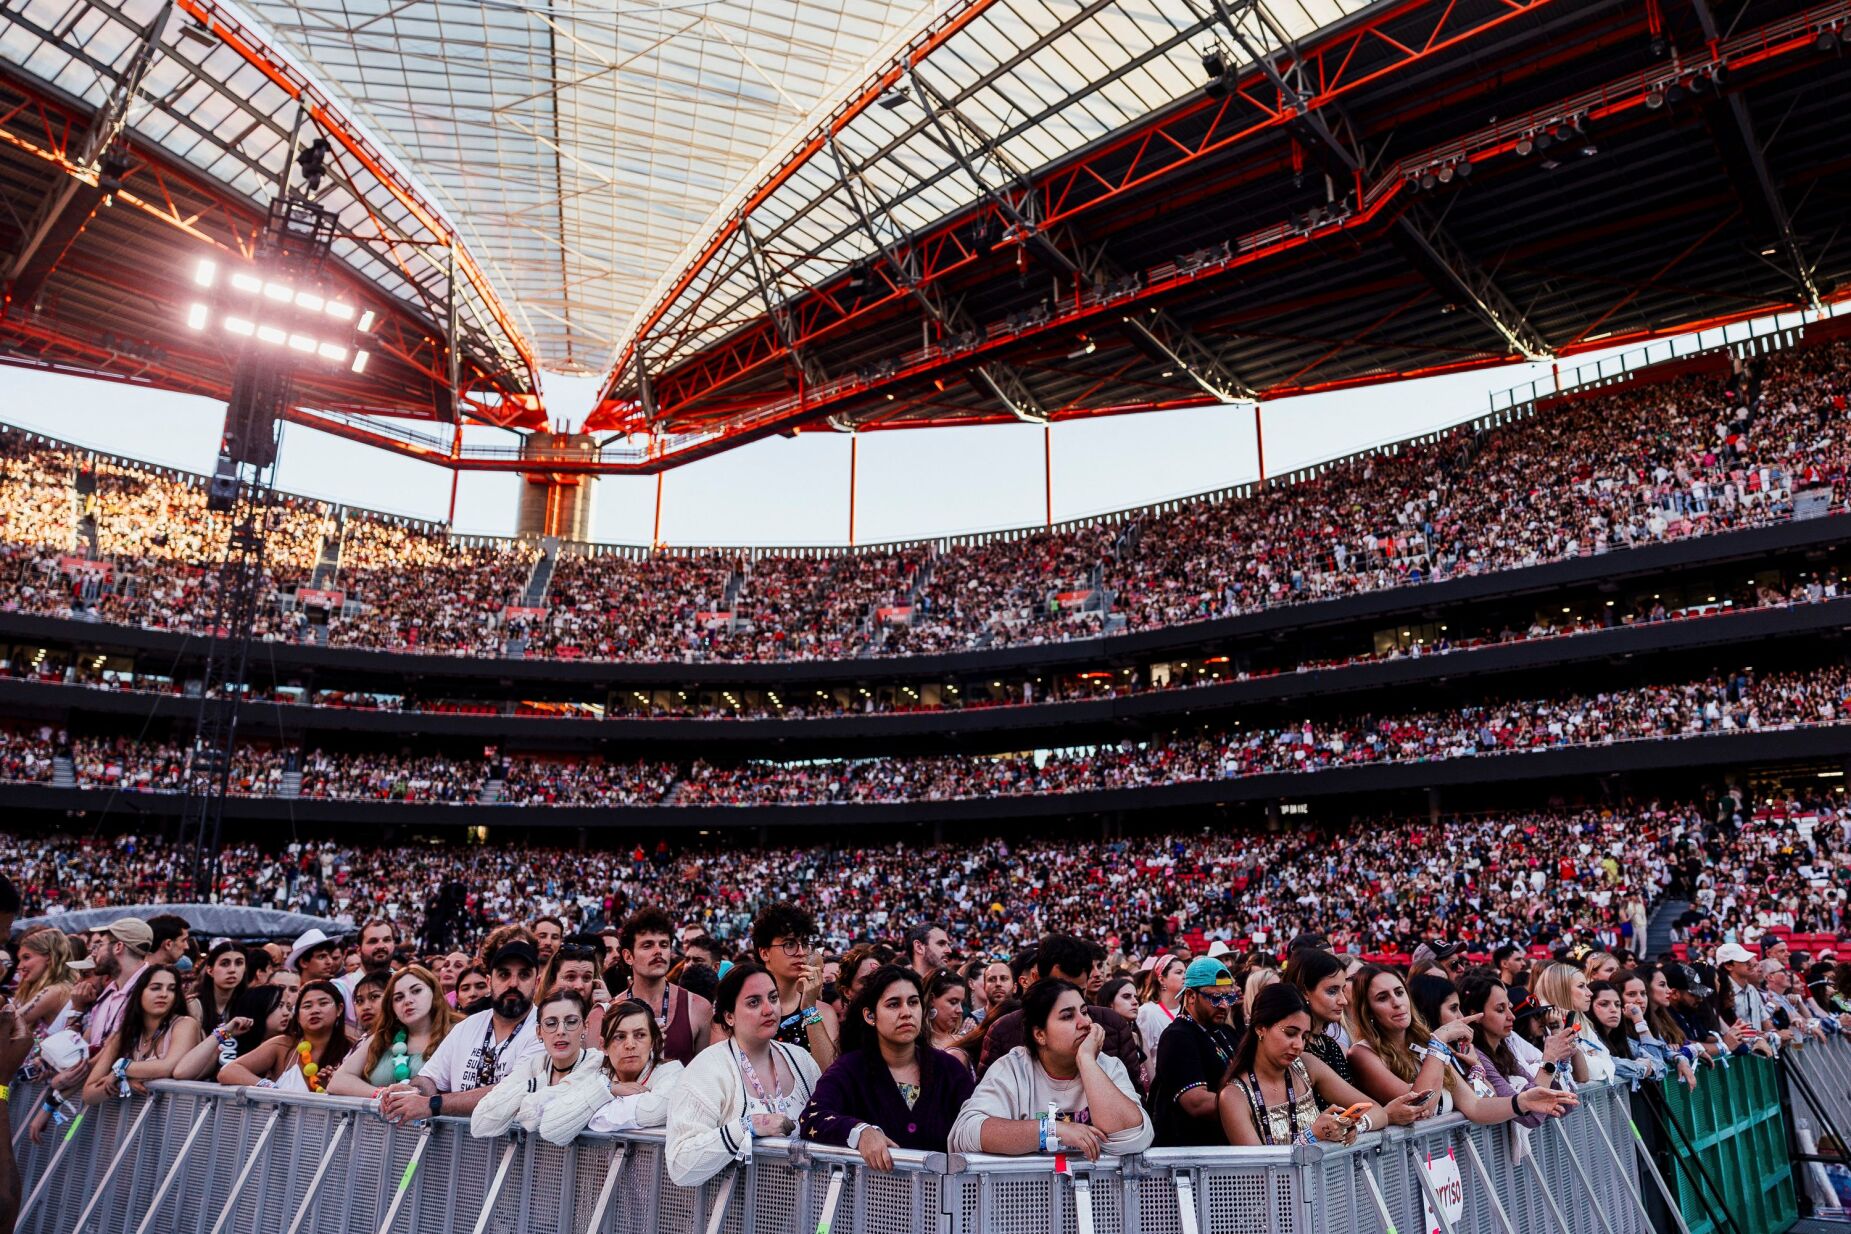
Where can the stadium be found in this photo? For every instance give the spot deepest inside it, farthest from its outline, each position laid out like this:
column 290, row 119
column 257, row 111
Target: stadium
column 1493, row 722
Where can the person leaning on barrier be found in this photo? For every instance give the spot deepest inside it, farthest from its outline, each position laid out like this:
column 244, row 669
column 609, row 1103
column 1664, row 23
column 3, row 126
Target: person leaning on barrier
column 48, row 968
column 1656, row 1033
column 1271, row 1061
column 1789, row 1014
column 256, row 1014
column 479, row 1053
column 319, row 1024
column 222, row 975
column 1692, row 1005
column 1563, row 989
column 1395, row 1053
column 1820, row 1000
column 1065, row 958
column 413, row 1021
column 154, row 1035
column 889, row 1088
column 639, row 1082
column 1501, row 1079
column 750, row 1084
column 565, row 1074
column 1608, row 1012
column 1057, row 1091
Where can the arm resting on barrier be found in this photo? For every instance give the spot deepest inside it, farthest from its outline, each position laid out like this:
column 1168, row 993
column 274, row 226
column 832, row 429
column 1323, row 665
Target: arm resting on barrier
column 496, row 1110
column 183, row 1036
column 706, row 1132
column 257, row 1066
column 100, row 1084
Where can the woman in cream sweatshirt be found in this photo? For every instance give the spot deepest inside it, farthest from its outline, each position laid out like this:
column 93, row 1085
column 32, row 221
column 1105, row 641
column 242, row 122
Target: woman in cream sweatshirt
column 565, row 1075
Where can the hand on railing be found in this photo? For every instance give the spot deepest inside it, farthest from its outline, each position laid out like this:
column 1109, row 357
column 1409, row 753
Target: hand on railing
column 1553, row 1102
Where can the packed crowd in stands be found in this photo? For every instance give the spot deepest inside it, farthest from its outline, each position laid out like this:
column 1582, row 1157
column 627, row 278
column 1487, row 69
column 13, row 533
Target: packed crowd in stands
column 1622, row 467
column 1738, row 701
column 1028, row 996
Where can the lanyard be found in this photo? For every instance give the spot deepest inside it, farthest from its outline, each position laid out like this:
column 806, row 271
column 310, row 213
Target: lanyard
column 661, row 1020
column 491, row 1054
column 1214, row 1041
column 746, row 1069
column 1259, row 1106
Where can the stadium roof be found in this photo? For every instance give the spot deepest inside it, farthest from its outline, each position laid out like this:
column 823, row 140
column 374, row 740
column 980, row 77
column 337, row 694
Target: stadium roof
column 755, row 216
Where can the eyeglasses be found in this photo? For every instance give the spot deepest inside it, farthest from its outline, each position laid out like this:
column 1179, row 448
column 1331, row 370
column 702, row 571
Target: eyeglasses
column 556, row 1024
column 794, row 946
column 1220, row 1000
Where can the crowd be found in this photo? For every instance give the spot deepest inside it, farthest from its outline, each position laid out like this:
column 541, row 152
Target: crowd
column 1738, row 701
column 1175, row 991
column 1633, row 465
column 1555, row 875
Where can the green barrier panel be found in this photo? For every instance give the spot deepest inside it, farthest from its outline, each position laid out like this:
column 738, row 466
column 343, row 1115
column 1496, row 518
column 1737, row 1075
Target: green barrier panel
column 1734, row 1125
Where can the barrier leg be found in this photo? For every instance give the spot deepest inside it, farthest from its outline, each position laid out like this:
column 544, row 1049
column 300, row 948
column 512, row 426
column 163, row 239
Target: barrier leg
column 321, row 1171
column 494, row 1191
column 115, row 1162
column 1542, row 1185
column 604, row 1192
column 51, row 1168
column 1797, row 1080
column 1619, row 1167
column 1587, row 1184
column 173, row 1171
column 1083, row 1203
column 831, row 1198
column 722, row 1195
column 1668, row 1120
column 404, row 1180
column 1375, row 1195
column 1491, row 1193
column 1185, row 1203
column 244, row 1172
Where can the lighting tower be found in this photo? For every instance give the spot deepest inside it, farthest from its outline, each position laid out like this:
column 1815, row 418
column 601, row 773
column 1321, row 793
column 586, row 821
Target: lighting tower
column 279, row 318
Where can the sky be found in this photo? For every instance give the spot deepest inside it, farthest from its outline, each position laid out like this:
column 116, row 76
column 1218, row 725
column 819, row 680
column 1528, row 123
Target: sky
column 794, row 491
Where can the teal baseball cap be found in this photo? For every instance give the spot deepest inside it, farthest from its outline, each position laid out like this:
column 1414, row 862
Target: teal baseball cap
column 1204, row 973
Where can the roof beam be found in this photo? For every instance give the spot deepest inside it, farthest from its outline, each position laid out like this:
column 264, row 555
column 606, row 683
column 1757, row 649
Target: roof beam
column 1745, row 161
column 991, row 379
column 1206, row 367
column 67, row 209
column 1415, row 232
column 779, row 311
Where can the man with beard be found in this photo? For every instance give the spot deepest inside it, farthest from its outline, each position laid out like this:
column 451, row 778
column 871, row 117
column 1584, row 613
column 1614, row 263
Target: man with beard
column 378, row 937
column 478, row 1053
column 645, row 943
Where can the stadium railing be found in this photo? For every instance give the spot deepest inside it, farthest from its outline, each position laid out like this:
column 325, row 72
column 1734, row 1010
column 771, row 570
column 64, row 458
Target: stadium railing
column 202, row 1159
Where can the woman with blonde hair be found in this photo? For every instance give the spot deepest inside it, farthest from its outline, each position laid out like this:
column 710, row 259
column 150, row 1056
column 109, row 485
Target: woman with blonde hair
column 413, row 1020
column 43, row 997
column 1257, row 980
column 1563, row 988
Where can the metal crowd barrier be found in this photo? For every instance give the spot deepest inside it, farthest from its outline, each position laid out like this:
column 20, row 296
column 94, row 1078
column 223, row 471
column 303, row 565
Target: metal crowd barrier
column 202, row 1159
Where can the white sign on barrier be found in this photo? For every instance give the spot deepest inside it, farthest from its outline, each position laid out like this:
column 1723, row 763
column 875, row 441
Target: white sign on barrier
column 1443, row 1176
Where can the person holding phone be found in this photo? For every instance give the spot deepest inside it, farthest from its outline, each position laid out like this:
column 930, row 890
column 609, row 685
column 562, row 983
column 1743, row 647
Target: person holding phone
column 1563, row 989
column 1275, row 1093
column 1530, row 1095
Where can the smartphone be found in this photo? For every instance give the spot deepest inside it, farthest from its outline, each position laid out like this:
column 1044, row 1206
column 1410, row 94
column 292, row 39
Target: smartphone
column 1423, row 1096
column 1356, row 1111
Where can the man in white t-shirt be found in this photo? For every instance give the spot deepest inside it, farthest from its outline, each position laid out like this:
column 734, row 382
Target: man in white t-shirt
column 478, row 1053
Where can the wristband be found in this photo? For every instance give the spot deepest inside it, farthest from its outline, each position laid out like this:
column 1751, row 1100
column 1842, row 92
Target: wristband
column 1041, row 1130
column 1365, row 1124
column 1516, row 1105
column 812, row 1017
column 6, row 1092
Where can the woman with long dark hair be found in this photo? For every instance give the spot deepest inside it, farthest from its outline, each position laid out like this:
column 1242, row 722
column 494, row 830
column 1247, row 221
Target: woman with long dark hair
column 256, row 1014
column 305, row 1055
column 947, row 995
column 1274, row 1089
column 222, row 974
column 1054, row 1092
column 1532, row 1095
column 1320, row 977
column 155, row 1034
column 889, row 1088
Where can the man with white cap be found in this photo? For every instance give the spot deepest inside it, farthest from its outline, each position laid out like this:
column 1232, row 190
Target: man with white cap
column 1738, row 964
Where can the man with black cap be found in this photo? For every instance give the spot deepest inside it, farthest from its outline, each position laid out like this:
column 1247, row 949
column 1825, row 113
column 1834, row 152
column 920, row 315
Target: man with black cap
column 1192, row 1059
column 1692, row 1007
column 478, row 1053
column 1438, row 956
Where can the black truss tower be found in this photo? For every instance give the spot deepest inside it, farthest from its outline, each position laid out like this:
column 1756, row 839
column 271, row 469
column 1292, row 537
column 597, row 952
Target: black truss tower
column 298, row 236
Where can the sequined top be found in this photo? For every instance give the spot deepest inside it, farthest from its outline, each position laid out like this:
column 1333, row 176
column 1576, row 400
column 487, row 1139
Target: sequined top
column 1280, row 1118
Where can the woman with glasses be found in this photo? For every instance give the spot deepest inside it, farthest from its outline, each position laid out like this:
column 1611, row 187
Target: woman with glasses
column 575, row 967
column 540, row 1080
column 783, row 938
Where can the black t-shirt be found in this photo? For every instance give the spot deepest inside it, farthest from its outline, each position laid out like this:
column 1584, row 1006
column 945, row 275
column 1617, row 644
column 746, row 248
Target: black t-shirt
column 1188, row 1056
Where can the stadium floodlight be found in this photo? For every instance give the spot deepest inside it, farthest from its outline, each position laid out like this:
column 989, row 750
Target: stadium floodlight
column 338, row 310
column 359, row 362
column 310, row 301
column 244, row 281
column 270, row 334
column 239, row 326
column 332, row 351
column 196, row 316
column 206, row 273
column 366, row 321
column 282, row 293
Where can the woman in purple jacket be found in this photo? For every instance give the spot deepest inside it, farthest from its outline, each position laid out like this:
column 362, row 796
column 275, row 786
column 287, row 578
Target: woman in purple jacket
column 889, row 1089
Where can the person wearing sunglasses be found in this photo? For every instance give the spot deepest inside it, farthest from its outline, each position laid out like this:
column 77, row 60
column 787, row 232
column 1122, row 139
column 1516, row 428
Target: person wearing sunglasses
column 550, row 1076
column 1193, row 1053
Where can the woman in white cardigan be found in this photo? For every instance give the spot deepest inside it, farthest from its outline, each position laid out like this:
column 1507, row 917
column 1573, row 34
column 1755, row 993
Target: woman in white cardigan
column 566, row 1073
column 637, row 1086
column 745, row 1086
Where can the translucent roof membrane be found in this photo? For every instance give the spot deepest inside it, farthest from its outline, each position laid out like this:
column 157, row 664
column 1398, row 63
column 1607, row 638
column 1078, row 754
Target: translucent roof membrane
column 583, row 145
column 206, row 105
column 1024, row 83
